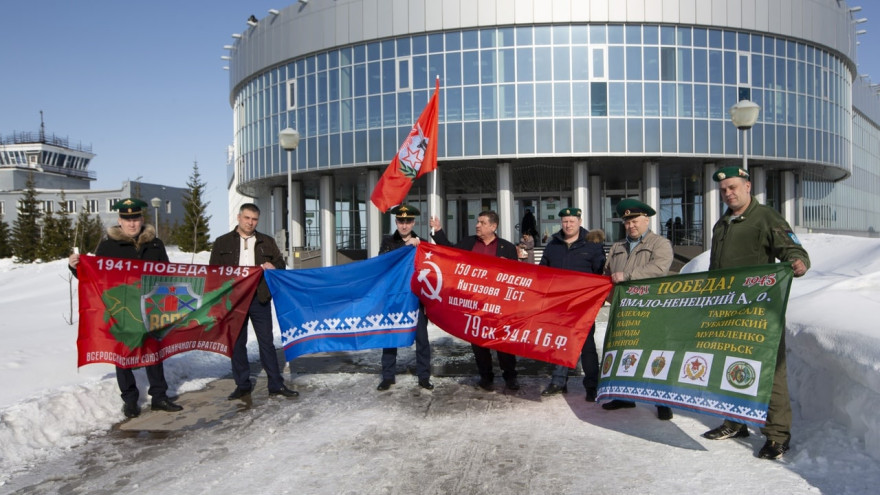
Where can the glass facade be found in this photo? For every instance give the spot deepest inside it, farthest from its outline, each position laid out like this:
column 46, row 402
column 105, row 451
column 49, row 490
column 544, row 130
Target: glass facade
column 550, row 91
column 852, row 205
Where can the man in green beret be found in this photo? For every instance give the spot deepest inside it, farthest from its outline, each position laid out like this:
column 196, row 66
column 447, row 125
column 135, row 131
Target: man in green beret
column 405, row 218
column 136, row 240
column 570, row 249
column 750, row 233
column 640, row 254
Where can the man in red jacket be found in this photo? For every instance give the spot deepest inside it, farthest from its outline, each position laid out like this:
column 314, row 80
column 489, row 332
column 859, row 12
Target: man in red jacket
column 485, row 242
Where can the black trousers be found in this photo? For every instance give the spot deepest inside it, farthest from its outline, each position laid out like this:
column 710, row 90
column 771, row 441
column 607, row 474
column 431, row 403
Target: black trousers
column 423, row 352
column 483, row 356
column 128, row 385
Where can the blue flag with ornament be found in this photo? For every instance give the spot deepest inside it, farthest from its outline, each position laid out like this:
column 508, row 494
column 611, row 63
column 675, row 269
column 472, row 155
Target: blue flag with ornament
column 362, row 305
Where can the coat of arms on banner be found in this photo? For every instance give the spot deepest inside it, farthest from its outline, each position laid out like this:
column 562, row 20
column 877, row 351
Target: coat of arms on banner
column 167, row 303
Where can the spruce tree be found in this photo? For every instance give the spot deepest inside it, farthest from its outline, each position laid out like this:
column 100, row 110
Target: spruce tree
column 89, row 231
column 57, row 241
column 192, row 235
column 26, row 229
column 5, row 241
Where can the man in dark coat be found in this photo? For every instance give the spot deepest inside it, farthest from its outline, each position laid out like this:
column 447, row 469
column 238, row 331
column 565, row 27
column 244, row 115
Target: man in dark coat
column 405, row 218
column 244, row 246
column 133, row 239
column 569, row 249
column 529, row 224
column 485, row 242
column 750, row 233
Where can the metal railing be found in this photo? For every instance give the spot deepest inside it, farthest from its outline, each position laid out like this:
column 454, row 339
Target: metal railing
column 39, row 137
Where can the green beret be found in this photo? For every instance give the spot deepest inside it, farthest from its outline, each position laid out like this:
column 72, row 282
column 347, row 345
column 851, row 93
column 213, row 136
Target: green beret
column 405, row 211
column 634, row 208
column 130, row 208
column 728, row 172
column 570, row 212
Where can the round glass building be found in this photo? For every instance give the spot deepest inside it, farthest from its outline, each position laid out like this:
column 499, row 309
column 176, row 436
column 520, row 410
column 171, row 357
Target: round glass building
column 550, row 104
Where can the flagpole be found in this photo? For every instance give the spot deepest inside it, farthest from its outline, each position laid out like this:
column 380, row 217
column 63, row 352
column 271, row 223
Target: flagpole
column 433, row 206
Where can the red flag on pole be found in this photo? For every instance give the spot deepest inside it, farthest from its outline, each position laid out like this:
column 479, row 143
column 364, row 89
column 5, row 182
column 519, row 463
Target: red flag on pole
column 416, row 157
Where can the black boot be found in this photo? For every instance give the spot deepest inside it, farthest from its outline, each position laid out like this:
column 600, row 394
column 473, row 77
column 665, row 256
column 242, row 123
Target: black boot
column 554, row 389
column 165, row 405
column 618, row 404
column 773, row 450
column 131, row 410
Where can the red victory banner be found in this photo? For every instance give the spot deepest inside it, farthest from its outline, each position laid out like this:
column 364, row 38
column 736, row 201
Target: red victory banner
column 416, row 157
column 524, row 309
column 136, row 313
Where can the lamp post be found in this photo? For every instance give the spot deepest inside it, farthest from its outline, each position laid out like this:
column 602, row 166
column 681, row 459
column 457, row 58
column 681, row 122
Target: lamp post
column 289, row 138
column 156, row 202
column 744, row 114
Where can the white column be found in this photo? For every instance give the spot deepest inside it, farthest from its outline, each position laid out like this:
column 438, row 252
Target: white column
column 711, row 204
column 374, row 216
column 651, row 191
column 297, row 215
column 580, row 194
column 436, row 201
column 506, row 218
column 789, row 197
column 595, row 218
column 328, row 220
column 758, row 177
column 276, row 216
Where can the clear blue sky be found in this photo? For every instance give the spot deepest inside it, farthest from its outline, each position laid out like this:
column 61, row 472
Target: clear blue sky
column 142, row 82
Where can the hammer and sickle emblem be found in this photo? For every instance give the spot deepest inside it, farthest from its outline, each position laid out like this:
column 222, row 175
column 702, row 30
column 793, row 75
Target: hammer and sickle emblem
column 433, row 292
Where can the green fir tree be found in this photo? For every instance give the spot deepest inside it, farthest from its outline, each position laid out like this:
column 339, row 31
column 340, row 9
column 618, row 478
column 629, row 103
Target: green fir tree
column 5, row 239
column 58, row 232
column 192, row 235
column 89, row 231
column 26, row 228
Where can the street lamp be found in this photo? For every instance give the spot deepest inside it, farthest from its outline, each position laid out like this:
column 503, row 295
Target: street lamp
column 289, row 138
column 744, row 115
column 156, row 202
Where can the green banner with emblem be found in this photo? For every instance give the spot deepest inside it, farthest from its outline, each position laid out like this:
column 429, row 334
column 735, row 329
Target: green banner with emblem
column 703, row 341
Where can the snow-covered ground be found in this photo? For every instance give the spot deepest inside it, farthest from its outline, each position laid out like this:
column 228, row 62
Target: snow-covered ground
column 342, row 436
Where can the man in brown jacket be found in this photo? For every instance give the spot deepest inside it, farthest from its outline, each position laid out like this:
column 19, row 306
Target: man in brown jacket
column 244, row 246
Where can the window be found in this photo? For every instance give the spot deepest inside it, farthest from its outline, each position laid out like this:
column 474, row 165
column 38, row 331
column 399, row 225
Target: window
column 291, row 94
column 93, row 205
column 168, row 207
column 48, row 206
column 404, row 74
column 743, row 66
column 598, row 63
column 110, row 203
column 667, row 64
column 70, row 206
column 3, row 208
